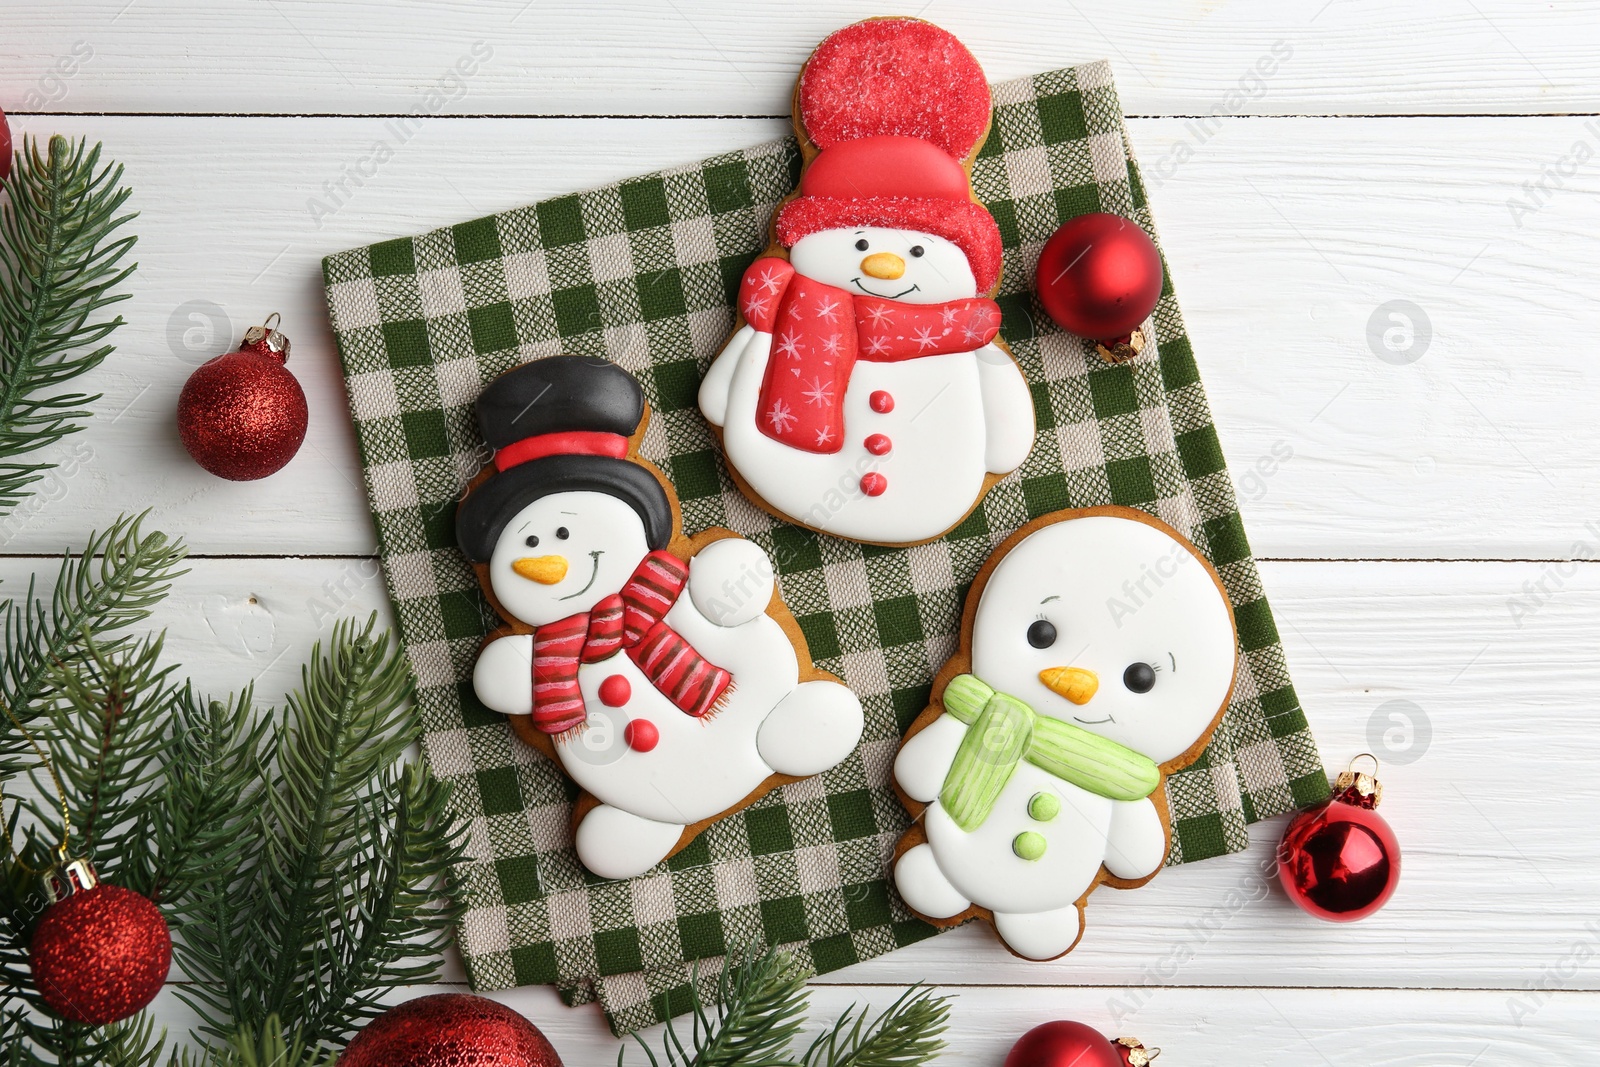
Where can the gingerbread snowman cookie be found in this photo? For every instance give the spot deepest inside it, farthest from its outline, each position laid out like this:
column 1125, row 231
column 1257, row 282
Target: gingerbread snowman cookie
column 865, row 392
column 1097, row 656
column 661, row 672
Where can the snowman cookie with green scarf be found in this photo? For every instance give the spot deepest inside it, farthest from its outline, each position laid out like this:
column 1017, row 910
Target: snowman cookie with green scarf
column 1097, row 656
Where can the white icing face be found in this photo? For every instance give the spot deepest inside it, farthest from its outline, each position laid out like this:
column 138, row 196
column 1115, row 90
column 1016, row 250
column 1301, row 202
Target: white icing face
column 563, row 553
column 917, row 268
column 1110, row 624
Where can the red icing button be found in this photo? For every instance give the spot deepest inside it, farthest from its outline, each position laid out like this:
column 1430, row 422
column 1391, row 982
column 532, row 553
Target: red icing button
column 641, row 735
column 878, row 444
column 615, row 691
column 881, row 401
column 873, row 483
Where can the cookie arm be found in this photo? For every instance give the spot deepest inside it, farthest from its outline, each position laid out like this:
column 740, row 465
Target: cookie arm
column 1137, row 842
column 503, row 675
column 923, row 762
column 759, row 294
column 1007, row 410
column 730, row 581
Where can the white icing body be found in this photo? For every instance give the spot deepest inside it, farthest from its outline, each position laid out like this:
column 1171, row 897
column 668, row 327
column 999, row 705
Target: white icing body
column 956, row 417
column 1117, row 592
column 697, row 768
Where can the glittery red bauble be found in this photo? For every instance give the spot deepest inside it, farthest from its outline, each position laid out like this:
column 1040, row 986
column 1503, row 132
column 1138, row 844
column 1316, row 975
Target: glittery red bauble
column 1099, row 276
column 100, row 954
column 242, row 416
column 450, row 1030
column 1063, row 1044
column 1340, row 861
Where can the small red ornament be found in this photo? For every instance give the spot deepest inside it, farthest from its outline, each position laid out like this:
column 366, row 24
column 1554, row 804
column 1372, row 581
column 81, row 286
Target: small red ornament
column 1099, row 277
column 1340, row 861
column 242, row 415
column 5, row 147
column 1063, row 1044
column 101, row 952
column 450, row 1030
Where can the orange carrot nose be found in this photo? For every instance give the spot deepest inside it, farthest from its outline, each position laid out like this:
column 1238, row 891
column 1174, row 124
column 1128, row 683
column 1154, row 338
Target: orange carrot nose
column 885, row 265
column 1074, row 683
column 546, row 570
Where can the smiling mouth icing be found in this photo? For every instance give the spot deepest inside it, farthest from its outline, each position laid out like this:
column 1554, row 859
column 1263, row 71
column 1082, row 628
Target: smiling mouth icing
column 594, row 571
column 883, row 296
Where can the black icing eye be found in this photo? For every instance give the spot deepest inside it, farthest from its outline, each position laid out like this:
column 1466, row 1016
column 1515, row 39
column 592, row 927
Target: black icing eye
column 1139, row 677
column 916, row 250
column 861, row 245
column 1042, row 634
column 532, row 541
column 561, row 533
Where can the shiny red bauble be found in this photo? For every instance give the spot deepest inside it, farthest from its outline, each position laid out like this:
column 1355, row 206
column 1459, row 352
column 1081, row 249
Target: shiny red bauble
column 1340, row 861
column 242, row 416
column 100, row 955
column 1064, row 1044
column 1099, row 276
column 450, row 1030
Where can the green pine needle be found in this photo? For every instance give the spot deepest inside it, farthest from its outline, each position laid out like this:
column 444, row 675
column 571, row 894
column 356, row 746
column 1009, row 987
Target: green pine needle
column 266, row 1046
column 119, row 578
column 761, row 1007
column 60, row 259
column 909, row 1033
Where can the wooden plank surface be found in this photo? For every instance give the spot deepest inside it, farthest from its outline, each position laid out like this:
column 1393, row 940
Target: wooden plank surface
column 1287, row 239
column 734, row 57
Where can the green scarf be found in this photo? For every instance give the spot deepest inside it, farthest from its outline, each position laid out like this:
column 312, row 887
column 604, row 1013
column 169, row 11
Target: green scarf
column 1004, row 731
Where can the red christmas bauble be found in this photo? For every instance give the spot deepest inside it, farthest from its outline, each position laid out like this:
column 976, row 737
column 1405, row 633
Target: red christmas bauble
column 1339, row 860
column 100, row 955
column 450, row 1030
column 5, row 147
column 1063, row 1044
column 242, row 416
column 1099, row 276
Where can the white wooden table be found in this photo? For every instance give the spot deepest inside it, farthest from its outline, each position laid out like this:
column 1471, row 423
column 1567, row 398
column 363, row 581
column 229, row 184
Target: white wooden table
column 1427, row 528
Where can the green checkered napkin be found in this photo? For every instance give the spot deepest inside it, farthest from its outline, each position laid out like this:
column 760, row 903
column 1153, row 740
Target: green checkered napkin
column 644, row 273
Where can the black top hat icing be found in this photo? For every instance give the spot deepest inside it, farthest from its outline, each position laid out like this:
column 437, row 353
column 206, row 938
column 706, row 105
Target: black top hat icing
column 557, row 425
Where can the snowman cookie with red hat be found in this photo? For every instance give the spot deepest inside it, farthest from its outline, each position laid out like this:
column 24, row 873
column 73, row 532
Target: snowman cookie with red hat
column 661, row 672
column 866, row 392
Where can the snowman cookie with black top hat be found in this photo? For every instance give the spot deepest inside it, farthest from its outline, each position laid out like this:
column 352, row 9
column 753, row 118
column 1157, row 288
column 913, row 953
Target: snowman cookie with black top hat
column 866, row 392
column 661, row 672
column 1097, row 656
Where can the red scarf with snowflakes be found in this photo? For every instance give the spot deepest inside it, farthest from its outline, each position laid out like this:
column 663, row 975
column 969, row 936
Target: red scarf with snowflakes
column 820, row 331
column 630, row 621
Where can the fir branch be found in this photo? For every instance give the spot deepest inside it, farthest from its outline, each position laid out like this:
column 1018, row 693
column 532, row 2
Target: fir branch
column 119, row 578
column 106, row 729
column 211, row 794
column 60, row 257
column 268, row 1045
column 391, row 926
column 909, row 1033
column 208, row 835
column 762, row 1000
column 336, row 900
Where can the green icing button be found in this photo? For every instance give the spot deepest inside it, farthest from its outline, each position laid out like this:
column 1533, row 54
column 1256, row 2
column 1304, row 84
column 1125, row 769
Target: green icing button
column 1028, row 845
column 1044, row 806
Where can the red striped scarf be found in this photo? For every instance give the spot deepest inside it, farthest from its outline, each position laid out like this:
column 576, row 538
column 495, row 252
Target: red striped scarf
column 630, row 621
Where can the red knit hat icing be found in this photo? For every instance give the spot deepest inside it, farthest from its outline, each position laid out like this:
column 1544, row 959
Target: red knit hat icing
column 894, row 76
column 894, row 105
